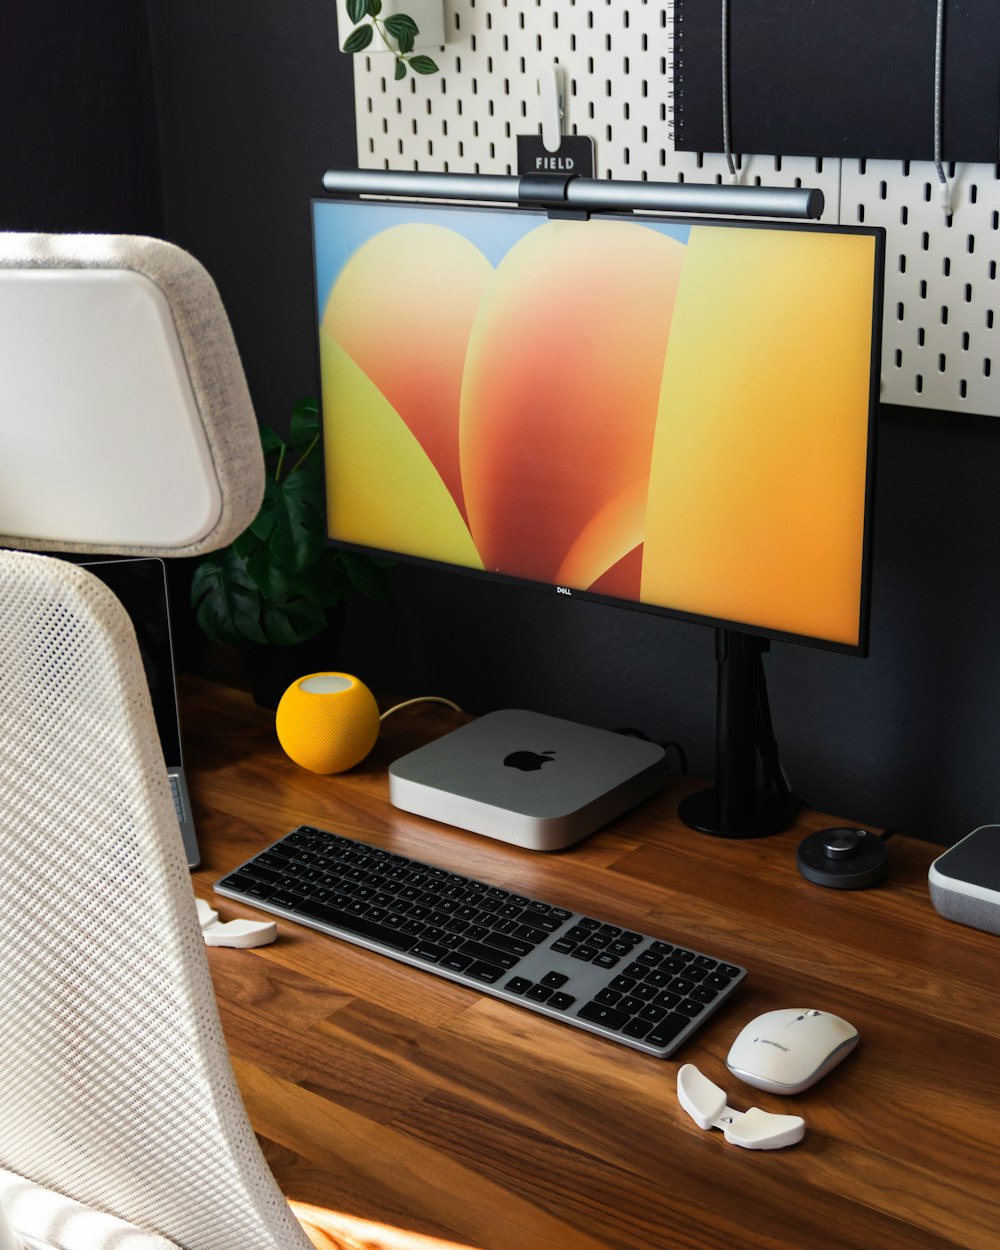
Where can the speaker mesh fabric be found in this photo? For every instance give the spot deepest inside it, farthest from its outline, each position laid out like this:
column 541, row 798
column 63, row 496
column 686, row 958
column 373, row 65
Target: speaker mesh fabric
column 115, row 1086
column 327, row 732
column 210, row 354
column 955, row 904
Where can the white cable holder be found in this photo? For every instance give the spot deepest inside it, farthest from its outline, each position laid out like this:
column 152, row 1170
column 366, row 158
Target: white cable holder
column 754, row 1129
column 238, row 933
column 552, row 98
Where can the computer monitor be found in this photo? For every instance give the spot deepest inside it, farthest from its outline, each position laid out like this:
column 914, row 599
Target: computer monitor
column 669, row 414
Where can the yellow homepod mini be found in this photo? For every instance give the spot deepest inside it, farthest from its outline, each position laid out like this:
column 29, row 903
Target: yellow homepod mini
column 327, row 722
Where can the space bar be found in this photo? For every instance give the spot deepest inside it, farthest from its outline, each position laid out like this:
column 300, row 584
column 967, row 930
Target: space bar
column 357, row 925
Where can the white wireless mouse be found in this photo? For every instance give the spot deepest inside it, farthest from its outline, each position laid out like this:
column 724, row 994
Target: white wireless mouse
column 787, row 1051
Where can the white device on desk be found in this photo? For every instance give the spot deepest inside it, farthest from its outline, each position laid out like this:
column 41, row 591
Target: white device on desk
column 754, row 1129
column 534, row 780
column 787, row 1051
column 965, row 881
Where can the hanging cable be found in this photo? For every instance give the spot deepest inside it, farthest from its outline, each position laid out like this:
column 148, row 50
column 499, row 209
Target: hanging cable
column 726, row 145
column 944, row 192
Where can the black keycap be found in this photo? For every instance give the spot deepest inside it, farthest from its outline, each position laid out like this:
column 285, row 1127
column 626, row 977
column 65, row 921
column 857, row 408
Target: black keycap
column 688, row 1008
column 652, row 1013
column 483, row 971
column 283, row 899
column 261, row 872
column 429, row 951
column 555, row 980
column 597, row 1013
column 518, row 985
column 563, row 946
column 637, row 1027
column 664, row 1033
column 561, row 1001
column 604, row 960
column 539, row 993
column 358, row 925
column 702, row 995
column 238, row 881
column 259, row 890
column 455, row 961
column 512, row 945
column 586, row 953
column 622, row 982
column 606, row 997
column 489, row 954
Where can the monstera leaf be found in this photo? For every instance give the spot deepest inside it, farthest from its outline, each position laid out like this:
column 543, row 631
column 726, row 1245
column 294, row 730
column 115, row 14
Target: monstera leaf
column 276, row 582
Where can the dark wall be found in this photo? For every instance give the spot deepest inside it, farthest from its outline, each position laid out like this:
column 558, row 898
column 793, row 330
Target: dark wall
column 254, row 102
column 78, row 142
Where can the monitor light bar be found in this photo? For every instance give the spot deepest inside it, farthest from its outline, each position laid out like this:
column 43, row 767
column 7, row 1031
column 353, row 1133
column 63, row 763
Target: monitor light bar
column 585, row 194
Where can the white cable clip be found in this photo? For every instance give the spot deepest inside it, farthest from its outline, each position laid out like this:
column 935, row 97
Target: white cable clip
column 706, row 1104
column 240, row 933
column 550, row 89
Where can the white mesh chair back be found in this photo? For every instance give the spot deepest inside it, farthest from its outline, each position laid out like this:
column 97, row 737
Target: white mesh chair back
column 115, row 1086
column 126, row 425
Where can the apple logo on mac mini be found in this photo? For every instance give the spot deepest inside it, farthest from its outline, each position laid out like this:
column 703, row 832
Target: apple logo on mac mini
column 481, row 777
column 528, row 761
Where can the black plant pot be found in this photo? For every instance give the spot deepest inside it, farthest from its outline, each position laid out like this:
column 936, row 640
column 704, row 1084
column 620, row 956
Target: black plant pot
column 271, row 670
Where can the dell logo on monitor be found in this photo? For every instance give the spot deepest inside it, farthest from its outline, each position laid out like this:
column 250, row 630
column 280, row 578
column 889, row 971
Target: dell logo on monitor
column 563, row 590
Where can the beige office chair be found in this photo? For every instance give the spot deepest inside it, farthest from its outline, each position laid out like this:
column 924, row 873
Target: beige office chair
column 125, row 426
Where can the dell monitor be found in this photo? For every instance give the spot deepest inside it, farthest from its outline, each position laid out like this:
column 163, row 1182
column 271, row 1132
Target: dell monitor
column 666, row 413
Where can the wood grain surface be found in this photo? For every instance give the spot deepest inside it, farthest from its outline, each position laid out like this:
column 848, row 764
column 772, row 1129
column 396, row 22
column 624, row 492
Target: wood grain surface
column 383, row 1093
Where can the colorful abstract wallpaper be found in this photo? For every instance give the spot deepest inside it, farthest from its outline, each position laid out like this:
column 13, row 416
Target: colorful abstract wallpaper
column 664, row 413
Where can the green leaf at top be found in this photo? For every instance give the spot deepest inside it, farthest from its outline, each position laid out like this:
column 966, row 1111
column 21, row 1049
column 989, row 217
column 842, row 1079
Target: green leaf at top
column 374, row 7
column 400, row 69
column 404, row 41
column 359, row 39
column 400, row 23
column 423, row 65
column 356, row 9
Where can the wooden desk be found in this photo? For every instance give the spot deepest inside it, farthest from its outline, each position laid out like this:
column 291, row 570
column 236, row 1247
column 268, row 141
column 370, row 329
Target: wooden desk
column 391, row 1094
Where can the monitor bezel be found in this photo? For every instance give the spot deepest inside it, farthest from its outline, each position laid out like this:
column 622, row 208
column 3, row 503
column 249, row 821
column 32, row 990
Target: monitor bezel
column 876, row 233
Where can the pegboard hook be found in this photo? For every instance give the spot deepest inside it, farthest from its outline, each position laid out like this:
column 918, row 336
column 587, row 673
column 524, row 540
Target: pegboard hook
column 550, row 90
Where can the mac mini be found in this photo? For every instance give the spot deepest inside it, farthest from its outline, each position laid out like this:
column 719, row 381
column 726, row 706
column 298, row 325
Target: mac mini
column 529, row 779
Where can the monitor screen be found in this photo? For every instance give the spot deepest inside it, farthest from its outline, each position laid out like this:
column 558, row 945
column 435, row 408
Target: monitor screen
column 673, row 414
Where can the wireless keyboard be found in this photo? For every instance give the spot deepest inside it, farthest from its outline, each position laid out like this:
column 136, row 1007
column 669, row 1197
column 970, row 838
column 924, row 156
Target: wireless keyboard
column 634, row 989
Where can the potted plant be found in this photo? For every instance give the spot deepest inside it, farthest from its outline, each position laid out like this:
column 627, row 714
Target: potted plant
column 279, row 586
column 396, row 26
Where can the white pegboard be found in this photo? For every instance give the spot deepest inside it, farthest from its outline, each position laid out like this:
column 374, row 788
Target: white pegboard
column 939, row 343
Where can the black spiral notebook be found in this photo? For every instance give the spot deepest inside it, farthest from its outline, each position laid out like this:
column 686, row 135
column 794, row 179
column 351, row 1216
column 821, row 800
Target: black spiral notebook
column 844, row 78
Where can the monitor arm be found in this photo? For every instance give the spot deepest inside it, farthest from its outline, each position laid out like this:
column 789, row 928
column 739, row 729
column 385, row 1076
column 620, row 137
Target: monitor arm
column 736, row 807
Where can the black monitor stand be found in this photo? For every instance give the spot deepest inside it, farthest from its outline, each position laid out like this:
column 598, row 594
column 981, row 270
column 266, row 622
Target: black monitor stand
column 736, row 807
